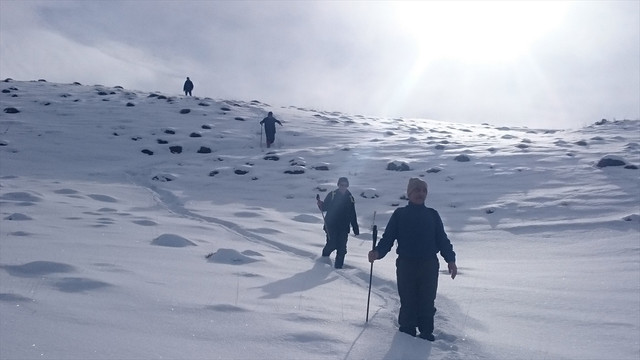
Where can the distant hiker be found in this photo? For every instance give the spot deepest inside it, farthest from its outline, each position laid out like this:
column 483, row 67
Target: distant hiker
column 341, row 212
column 188, row 86
column 420, row 235
column 270, row 128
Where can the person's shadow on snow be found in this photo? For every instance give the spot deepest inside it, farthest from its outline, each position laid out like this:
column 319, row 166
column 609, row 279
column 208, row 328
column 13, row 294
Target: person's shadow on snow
column 318, row 275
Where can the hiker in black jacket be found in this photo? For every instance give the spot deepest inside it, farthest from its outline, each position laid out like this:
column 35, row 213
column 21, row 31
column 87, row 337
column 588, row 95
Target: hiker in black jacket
column 188, row 86
column 270, row 127
column 341, row 213
column 420, row 235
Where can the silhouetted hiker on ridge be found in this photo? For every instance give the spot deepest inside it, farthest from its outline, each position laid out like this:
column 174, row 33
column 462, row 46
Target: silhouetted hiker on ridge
column 188, row 86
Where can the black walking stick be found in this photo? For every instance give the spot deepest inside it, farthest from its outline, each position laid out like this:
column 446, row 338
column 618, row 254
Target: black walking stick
column 375, row 238
column 260, row 136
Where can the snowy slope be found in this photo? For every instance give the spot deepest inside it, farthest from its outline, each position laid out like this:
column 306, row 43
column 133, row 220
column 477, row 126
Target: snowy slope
column 141, row 225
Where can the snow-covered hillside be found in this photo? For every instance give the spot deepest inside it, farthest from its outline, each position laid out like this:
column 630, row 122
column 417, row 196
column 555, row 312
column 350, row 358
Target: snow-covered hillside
column 141, row 225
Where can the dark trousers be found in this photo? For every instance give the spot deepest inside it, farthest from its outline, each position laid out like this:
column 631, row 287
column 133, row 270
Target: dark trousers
column 417, row 287
column 336, row 241
column 271, row 137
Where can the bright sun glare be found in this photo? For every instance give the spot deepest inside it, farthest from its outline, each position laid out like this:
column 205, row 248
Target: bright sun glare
column 477, row 31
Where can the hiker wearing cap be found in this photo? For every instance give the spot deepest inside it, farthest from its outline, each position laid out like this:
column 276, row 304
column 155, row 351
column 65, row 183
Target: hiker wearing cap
column 420, row 235
column 341, row 215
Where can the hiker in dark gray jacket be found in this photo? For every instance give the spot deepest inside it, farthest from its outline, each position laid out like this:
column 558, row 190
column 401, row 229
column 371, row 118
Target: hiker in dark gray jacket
column 341, row 215
column 420, row 235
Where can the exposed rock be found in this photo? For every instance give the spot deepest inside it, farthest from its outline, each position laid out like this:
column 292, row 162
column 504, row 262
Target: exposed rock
column 398, row 166
column 462, row 158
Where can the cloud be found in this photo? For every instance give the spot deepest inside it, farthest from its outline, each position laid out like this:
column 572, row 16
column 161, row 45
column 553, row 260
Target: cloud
column 346, row 56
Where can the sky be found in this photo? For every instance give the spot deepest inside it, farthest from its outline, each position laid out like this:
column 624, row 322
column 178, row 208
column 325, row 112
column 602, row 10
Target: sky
column 115, row 245
column 537, row 63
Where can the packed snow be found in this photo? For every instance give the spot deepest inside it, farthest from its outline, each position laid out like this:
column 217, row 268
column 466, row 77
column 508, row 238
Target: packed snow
column 140, row 225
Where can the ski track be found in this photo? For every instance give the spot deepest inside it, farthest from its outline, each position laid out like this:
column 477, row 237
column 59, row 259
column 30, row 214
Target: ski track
column 384, row 291
column 401, row 345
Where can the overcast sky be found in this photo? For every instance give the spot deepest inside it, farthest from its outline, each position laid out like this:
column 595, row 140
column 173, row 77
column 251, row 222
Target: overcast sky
column 539, row 63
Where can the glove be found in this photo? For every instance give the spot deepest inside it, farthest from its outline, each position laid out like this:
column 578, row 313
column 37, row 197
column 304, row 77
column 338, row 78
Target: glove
column 356, row 230
column 373, row 255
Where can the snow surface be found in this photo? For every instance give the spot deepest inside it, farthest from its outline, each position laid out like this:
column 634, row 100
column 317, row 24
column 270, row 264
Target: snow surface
column 107, row 252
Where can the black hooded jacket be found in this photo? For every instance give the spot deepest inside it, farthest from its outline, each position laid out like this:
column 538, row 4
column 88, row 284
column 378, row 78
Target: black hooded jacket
column 270, row 124
column 341, row 212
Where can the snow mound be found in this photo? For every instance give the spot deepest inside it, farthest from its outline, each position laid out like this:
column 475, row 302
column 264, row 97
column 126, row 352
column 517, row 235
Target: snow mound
column 171, row 240
column 230, row 256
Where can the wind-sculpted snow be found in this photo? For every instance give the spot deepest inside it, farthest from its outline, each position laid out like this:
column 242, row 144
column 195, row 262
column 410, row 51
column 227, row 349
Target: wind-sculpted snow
column 145, row 225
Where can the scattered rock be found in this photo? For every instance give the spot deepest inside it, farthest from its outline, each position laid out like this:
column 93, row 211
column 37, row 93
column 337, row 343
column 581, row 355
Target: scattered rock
column 297, row 170
column 163, row 177
column 611, row 160
column 297, row 162
column 462, row 158
column 243, row 170
column 398, row 166
column 271, row 157
column 369, row 194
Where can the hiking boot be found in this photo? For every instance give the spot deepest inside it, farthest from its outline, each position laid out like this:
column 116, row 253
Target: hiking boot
column 408, row 331
column 427, row 336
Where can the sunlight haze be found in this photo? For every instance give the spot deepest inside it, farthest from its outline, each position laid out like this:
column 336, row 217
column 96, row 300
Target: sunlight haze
column 553, row 64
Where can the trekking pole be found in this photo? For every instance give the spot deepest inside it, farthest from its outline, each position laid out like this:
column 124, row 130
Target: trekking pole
column 375, row 238
column 260, row 136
